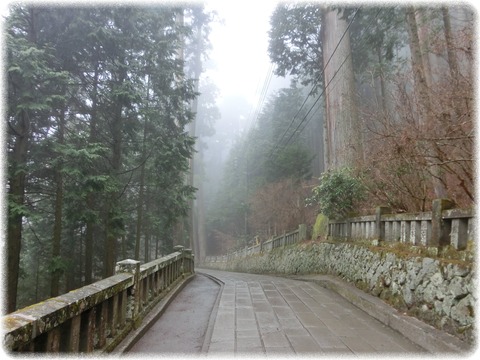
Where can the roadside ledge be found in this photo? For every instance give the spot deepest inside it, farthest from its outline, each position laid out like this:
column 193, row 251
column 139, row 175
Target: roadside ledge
column 213, row 315
column 426, row 336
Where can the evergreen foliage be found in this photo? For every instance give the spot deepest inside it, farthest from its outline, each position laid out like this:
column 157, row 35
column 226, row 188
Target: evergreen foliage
column 263, row 157
column 338, row 193
column 98, row 104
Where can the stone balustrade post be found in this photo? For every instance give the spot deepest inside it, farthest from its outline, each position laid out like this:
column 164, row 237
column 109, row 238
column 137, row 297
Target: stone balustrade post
column 180, row 249
column 459, row 237
column 440, row 229
column 379, row 226
column 348, row 225
column 132, row 267
column 302, row 232
column 190, row 266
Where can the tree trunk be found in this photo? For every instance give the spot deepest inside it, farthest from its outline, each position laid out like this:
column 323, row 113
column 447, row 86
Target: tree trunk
column 113, row 207
column 383, row 92
column 141, row 199
column 75, row 258
column 90, row 224
column 16, row 196
column 423, row 27
column 57, row 227
column 196, row 242
column 421, row 87
column 426, row 117
column 89, row 236
column 343, row 131
column 202, row 234
column 140, row 204
column 147, row 226
column 179, row 237
column 113, row 204
column 452, row 61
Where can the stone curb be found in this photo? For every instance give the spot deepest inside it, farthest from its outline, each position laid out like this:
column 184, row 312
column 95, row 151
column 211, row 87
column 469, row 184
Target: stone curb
column 213, row 315
column 426, row 336
column 150, row 318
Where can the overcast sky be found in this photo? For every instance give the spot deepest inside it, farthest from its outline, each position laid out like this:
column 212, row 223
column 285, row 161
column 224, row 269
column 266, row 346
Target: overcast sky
column 239, row 38
column 239, row 55
column 240, row 45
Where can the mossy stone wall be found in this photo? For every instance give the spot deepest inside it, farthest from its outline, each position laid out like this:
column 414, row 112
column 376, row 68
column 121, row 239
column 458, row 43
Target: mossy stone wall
column 437, row 291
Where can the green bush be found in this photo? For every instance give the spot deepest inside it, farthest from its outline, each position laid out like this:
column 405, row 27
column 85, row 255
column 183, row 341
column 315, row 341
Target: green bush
column 338, row 193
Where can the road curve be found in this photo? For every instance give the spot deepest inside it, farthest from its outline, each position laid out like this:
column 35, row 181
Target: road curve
column 266, row 315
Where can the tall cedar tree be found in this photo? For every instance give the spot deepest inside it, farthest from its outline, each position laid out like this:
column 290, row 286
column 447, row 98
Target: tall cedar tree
column 97, row 109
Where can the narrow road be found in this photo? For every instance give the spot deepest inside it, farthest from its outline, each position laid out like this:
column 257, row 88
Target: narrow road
column 267, row 315
column 181, row 329
column 260, row 314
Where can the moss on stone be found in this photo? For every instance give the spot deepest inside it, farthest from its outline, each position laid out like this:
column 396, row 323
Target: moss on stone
column 393, row 271
column 320, row 228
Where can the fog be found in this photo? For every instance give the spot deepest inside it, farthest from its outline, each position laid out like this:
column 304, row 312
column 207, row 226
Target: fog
column 240, row 69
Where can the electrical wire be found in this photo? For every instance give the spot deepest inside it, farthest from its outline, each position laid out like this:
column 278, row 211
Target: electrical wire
column 266, row 85
column 304, row 119
column 278, row 144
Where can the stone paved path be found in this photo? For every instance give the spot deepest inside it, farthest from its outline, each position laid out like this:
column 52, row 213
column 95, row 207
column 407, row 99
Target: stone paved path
column 266, row 315
column 181, row 329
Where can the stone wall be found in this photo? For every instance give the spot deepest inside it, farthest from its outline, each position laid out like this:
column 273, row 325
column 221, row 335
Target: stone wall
column 437, row 291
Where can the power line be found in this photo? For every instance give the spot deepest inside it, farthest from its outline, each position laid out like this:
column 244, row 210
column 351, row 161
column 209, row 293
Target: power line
column 319, row 97
column 278, row 144
column 370, row 24
column 266, row 84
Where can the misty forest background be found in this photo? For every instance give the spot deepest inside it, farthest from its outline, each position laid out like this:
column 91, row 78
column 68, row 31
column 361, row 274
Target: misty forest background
column 118, row 149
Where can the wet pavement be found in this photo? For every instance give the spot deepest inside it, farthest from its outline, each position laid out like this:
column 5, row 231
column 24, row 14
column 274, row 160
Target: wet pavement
column 260, row 315
column 266, row 315
column 182, row 327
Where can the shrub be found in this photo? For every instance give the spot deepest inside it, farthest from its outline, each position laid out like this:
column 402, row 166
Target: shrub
column 338, row 193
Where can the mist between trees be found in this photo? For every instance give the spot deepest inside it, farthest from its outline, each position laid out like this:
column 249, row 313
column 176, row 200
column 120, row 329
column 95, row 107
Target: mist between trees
column 382, row 102
column 99, row 143
column 111, row 153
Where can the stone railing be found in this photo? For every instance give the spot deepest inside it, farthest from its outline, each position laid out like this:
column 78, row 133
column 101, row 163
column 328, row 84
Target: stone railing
column 96, row 317
column 273, row 243
column 440, row 227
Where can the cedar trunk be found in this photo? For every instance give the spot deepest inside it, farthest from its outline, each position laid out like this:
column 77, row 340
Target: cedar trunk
column 16, row 196
column 343, row 135
column 426, row 116
column 57, row 227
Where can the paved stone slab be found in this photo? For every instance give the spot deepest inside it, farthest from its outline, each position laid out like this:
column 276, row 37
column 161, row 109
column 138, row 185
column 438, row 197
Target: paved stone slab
column 182, row 327
column 272, row 316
